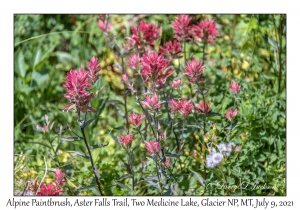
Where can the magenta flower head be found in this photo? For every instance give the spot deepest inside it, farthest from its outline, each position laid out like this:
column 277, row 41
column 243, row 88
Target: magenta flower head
column 231, row 114
column 126, row 140
column 136, row 119
column 156, row 67
column 206, row 31
column 49, row 190
column 152, row 147
column 235, row 87
column 78, row 85
column 124, row 78
column 94, row 68
column 144, row 33
column 171, row 50
column 152, row 103
column 59, row 175
column 173, row 104
column 203, row 108
column 182, row 28
column 185, row 107
column 134, row 62
column 176, row 83
column 104, row 25
column 194, row 69
column 167, row 162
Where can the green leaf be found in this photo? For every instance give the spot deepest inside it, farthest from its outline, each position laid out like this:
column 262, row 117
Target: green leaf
column 87, row 187
column 40, row 61
column 71, row 138
column 123, row 186
column 273, row 43
column 35, row 142
column 88, row 122
column 80, row 154
column 273, row 157
column 20, row 67
column 199, row 177
column 172, row 155
column 125, row 176
column 98, row 146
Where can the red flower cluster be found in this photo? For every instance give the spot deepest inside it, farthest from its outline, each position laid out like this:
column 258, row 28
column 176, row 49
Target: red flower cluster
column 53, row 188
column 183, row 107
column 104, row 25
column 231, row 114
column 194, row 69
column 235, row 87
column 156, row 67
column 152, row 147
column 171, row 50
column 134, row 62
column 182, row 28
column 78, row 84
column 126, row 140
column 203, row 108
column 136, row 119
column 206, row 31
column 145, row 33
column 176, row 83
column 152, row 103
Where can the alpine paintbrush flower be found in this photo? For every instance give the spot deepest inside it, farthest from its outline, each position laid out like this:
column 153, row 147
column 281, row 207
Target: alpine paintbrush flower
column 203, row 108
column 231, row 114
column 134, row 62
column 94, row 68
column 176, row 83
column 59, row 175
column 145, row 33
column 152, row 103
column 182, row 28
column 171, row 50
column 152, row 147
column 206, row 31
column 183, row 106
column 136, row 119
column 156, row 68
column 49, row 190
column 104, row 25
column 194, row 69
column 235, row 87
column 126, row 140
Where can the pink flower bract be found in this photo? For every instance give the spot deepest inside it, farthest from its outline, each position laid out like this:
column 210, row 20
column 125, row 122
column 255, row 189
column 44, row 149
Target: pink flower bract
column 193, row 69
column 206, row 31
column 152, row 103
column 231, row 114
column 152, row 147
column 182, row 28
column 125, row 140
column 157, row 67
column 172, row 50
column 144, row 33
column 203, row 108
column 49, row 190
column 176, row 83
column 59, row 175
column 136, row 119
column 235, row 87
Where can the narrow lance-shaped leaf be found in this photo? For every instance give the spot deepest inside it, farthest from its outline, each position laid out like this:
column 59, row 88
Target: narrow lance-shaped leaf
column 71, row 138
column 199, row 177
column 80, row 154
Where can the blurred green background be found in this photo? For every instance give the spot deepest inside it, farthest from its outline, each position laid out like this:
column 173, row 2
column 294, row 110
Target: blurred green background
column 251, row 49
